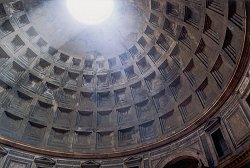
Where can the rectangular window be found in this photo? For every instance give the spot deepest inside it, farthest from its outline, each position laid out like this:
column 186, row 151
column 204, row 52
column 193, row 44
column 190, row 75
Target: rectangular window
column 219, row 143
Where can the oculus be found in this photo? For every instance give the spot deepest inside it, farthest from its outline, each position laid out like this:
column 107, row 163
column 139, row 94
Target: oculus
column 90, row 12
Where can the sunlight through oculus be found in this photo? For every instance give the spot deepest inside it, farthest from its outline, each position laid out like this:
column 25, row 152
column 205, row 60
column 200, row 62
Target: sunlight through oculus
column 90, row 12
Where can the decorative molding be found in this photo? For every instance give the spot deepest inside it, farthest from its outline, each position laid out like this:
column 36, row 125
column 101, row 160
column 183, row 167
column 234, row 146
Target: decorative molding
column 13, row 161
column 237, row 125
column 244, row 85
column 133, row 161
column 3, row 151
column 179, row 154
column 211, row 123
column 44, row 162
column 239, row 160
column 164, row 141
column 90, row 164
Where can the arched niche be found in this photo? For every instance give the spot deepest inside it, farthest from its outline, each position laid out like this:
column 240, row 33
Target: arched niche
column 182, row 155
column 184, row 162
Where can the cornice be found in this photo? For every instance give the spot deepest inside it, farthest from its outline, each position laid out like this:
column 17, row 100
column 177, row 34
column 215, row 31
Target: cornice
column 230, row 89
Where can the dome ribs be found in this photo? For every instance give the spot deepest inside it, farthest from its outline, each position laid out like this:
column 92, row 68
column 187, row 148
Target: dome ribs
column 227, row 46
column 210, row 29
column 235, row 13
column 167, row 125
column 192, row 16
column 200, row 91
column 16, row 44
column 138, row 88
column 201, row 54
column 216, row 72
column 215, row 5
column 6, row 28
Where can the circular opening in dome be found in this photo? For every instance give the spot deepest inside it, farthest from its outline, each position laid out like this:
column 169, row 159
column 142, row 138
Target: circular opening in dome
column 90, row 12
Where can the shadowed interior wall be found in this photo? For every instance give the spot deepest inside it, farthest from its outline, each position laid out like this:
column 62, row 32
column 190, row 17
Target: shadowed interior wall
column 160, row 80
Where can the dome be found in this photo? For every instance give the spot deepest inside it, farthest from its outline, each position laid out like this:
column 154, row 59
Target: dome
column 154, row 75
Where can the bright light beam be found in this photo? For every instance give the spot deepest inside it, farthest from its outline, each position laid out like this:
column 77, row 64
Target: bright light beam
column 90, row 12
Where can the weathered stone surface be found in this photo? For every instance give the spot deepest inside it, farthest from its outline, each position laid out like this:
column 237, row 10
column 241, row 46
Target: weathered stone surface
column 145, row 82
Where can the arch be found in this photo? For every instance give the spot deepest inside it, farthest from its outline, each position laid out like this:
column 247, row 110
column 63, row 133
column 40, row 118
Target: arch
column 183, row 154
